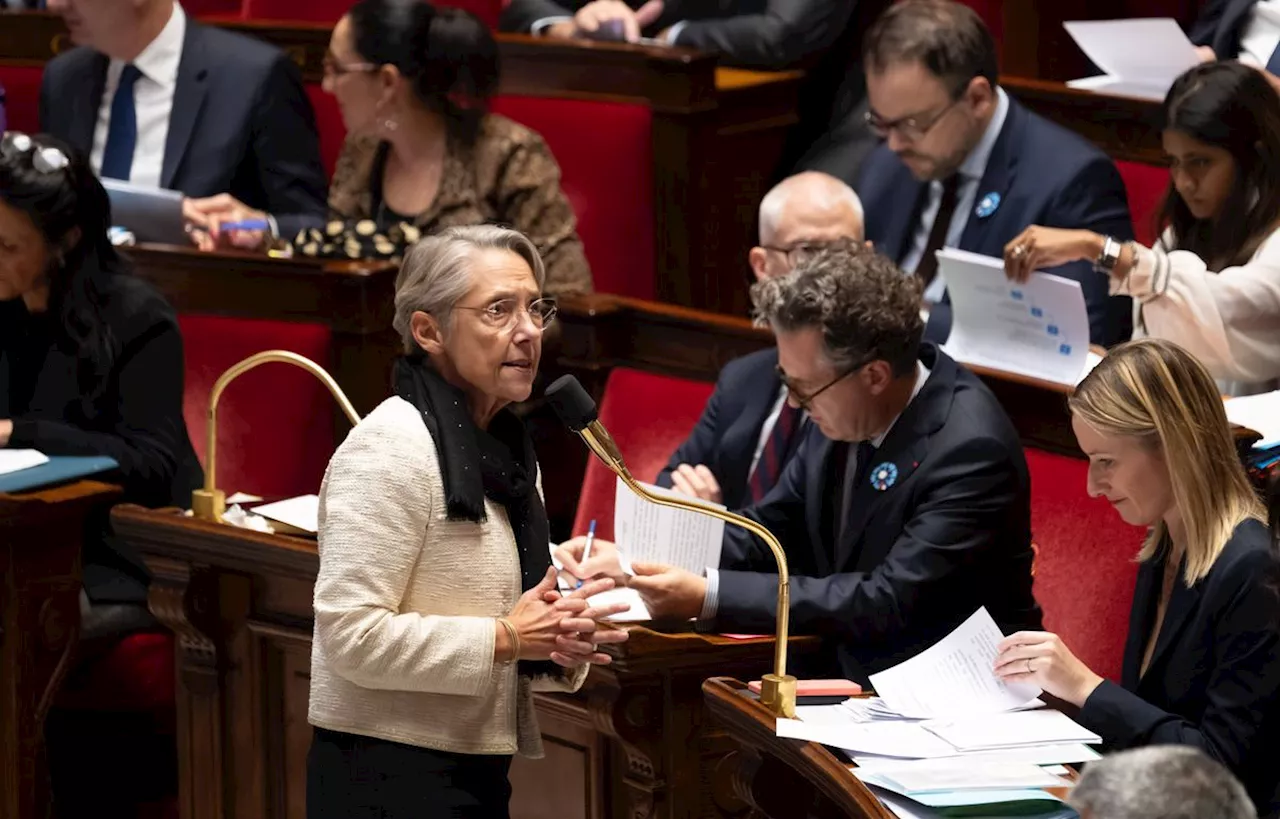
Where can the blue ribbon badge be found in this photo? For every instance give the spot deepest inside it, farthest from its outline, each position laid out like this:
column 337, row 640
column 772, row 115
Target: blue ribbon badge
column 988, row 205
column 884, row 476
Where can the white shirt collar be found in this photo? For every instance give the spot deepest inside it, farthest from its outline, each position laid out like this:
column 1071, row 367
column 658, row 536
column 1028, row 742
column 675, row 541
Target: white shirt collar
column 975, row 164
column 922, row 375
column 159, row 61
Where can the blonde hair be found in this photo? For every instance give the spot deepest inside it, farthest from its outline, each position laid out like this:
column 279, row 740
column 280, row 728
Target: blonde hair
column 1156, row 391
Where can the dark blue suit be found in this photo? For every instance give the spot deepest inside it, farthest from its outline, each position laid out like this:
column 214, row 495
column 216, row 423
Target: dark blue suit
column 1221, row 26
column 951, row 533
column 1214, row 677
column 241, row 123
column 1044, row 175
column 728, row 432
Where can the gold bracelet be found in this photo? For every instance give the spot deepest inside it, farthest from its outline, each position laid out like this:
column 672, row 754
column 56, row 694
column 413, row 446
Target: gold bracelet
column 513, row 635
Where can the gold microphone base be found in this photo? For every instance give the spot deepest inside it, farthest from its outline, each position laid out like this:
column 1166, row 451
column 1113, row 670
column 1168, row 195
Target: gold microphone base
column 209, row 504
column 778, row 693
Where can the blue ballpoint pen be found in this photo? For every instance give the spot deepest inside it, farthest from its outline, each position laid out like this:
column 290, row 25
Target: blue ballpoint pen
column 586, row 550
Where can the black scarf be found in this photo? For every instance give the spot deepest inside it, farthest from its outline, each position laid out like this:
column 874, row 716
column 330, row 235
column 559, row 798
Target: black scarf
column 498, row 463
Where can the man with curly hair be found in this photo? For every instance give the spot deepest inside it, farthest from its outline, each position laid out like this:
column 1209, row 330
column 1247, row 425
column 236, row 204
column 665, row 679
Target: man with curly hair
column 907, row 507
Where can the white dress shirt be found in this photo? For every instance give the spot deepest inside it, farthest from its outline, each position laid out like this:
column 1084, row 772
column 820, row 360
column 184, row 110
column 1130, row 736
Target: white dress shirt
column 152, row 100
column 766, row 429
column 971, row 172
column 711, row 601
column 1261, row 34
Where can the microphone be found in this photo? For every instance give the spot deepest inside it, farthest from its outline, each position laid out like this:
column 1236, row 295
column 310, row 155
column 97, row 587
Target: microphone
column 578, row 412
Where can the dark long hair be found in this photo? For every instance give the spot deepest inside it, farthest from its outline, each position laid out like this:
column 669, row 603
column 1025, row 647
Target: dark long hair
column 59, row 203
column 1230, row 106
column 448, row 55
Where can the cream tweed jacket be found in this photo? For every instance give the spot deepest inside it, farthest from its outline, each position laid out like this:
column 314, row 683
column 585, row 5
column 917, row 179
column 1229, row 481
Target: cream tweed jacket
column 406, row 603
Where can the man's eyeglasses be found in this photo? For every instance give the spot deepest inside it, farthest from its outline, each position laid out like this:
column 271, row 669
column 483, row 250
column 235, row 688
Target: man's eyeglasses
column 505, row 313
column 797, row 253
column 913, row 128
column 804, row 401
column 334, row 68
column 44, row 158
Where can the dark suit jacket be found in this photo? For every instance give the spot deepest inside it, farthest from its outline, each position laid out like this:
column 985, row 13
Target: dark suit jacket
column 1214, row 677
column 241, row 122
column 822, row 36
column 1044, row 175
column 1221, row 26
column 952, row 533
column 136, row 419
column 728, row 432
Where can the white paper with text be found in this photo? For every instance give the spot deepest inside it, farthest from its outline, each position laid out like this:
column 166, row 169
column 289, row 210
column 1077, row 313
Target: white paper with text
column 1139, row 58
column 649, row 533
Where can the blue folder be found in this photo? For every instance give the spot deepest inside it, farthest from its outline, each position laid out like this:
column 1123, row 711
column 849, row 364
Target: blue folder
column 59, row 469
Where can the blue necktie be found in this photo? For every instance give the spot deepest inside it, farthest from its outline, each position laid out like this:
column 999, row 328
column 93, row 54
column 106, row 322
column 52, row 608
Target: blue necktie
column 122, row 132
column 1273, row 64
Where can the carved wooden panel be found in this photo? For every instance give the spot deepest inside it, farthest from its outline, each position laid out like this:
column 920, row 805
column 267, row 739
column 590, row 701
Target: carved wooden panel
column 286, row 684
column 567, row 782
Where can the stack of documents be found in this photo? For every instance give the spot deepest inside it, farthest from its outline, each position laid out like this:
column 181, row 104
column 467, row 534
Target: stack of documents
column 16, row 460
column 1039, row 328
column 945, row 733
column 1139, row 58
column 1260, row 413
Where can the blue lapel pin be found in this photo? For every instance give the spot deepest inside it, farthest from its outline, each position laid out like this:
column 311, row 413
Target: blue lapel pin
column 884, row 476
column 987, row 205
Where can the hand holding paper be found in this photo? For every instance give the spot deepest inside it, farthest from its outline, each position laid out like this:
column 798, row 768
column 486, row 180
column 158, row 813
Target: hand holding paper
column 1042, row 659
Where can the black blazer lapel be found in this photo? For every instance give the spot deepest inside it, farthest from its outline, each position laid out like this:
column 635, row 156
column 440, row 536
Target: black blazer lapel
column 188, row 100
column 1142, row 615
column 816, row 497
column 1227, row 40
column 1002, row 167
column 902, row 451
column 1182, row 601
column 902, row 220
column 84, row 107
column 743, row 433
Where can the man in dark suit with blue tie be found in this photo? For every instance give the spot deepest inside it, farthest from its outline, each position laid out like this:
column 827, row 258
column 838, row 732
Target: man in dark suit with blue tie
column 158, row 100
column 964, row 165
column 908, row 505
column 748, row 431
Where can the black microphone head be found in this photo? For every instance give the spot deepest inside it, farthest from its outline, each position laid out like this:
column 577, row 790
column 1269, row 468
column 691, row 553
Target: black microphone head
column 572, row 403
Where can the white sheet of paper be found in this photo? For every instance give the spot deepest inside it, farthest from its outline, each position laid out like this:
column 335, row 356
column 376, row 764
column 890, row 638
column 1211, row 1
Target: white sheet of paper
column 1039, row 328
column 302, row 512
column 1260, row 413
column 16, row 460
column 1069, row 754
column 1011, row 730
column 638, row 613
column 906, row 740
column 1144, row 52
column 1115, row 86
column 953, row 676
column 962, row 774
column 649, row 533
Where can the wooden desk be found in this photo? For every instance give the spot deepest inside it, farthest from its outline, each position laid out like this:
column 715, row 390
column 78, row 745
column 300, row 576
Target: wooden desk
column 632, row 742
column 41, row 538
column 1125, row 128
column 716, row 135
column 784, row 778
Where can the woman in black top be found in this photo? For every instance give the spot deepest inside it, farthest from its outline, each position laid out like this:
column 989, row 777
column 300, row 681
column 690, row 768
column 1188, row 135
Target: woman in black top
column 90, row 357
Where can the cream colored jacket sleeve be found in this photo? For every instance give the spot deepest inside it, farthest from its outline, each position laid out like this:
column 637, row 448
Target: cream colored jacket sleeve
column 374, row 521
column 1230, row 320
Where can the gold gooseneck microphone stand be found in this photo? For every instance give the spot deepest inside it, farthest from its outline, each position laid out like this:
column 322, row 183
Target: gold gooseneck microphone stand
column 578, row 412
column 209, row 503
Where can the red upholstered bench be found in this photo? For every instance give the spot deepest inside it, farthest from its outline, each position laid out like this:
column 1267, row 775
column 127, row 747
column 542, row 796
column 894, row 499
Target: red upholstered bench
column 649, row 416
column 22, row 91
column 1146, row 186
column 1084, row 565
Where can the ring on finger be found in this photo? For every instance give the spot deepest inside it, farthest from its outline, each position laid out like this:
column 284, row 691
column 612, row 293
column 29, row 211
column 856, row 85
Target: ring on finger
column 1019, row 251
column 1030, row 670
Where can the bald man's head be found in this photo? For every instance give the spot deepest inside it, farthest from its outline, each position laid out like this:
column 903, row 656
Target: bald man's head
column 810, row 208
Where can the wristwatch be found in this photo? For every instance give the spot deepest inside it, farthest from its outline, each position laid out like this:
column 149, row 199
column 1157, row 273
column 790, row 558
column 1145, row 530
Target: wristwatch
column 1109, row 257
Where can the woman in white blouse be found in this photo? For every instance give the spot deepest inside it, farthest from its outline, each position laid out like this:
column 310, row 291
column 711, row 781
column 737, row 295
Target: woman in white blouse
column 1212, row 282
column 437, row 613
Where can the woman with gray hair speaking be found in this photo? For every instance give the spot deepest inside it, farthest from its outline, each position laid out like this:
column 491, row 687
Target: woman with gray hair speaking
column 436, row 607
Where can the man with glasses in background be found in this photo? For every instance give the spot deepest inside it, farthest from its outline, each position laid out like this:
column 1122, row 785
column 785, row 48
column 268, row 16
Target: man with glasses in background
column 964, row 165
column 907, row 506
column 747, row 431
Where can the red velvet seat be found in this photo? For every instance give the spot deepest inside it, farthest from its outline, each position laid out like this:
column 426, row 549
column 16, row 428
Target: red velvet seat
column 22, row 91
column 1084, row 567
column 329, row 123
column 275, row 424
column 1146, row 186
column 649, row 416
column 605, row 155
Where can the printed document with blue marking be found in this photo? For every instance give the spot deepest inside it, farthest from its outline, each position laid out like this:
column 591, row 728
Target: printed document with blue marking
column 1038, row 328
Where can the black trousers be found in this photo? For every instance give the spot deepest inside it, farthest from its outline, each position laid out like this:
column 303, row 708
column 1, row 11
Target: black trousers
column 357, row 777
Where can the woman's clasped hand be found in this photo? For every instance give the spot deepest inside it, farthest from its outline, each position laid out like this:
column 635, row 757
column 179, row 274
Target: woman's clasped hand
column 563, row 627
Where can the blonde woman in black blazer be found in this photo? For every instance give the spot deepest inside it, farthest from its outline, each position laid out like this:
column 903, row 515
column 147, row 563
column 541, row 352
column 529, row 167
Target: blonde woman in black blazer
column 1202, row 661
